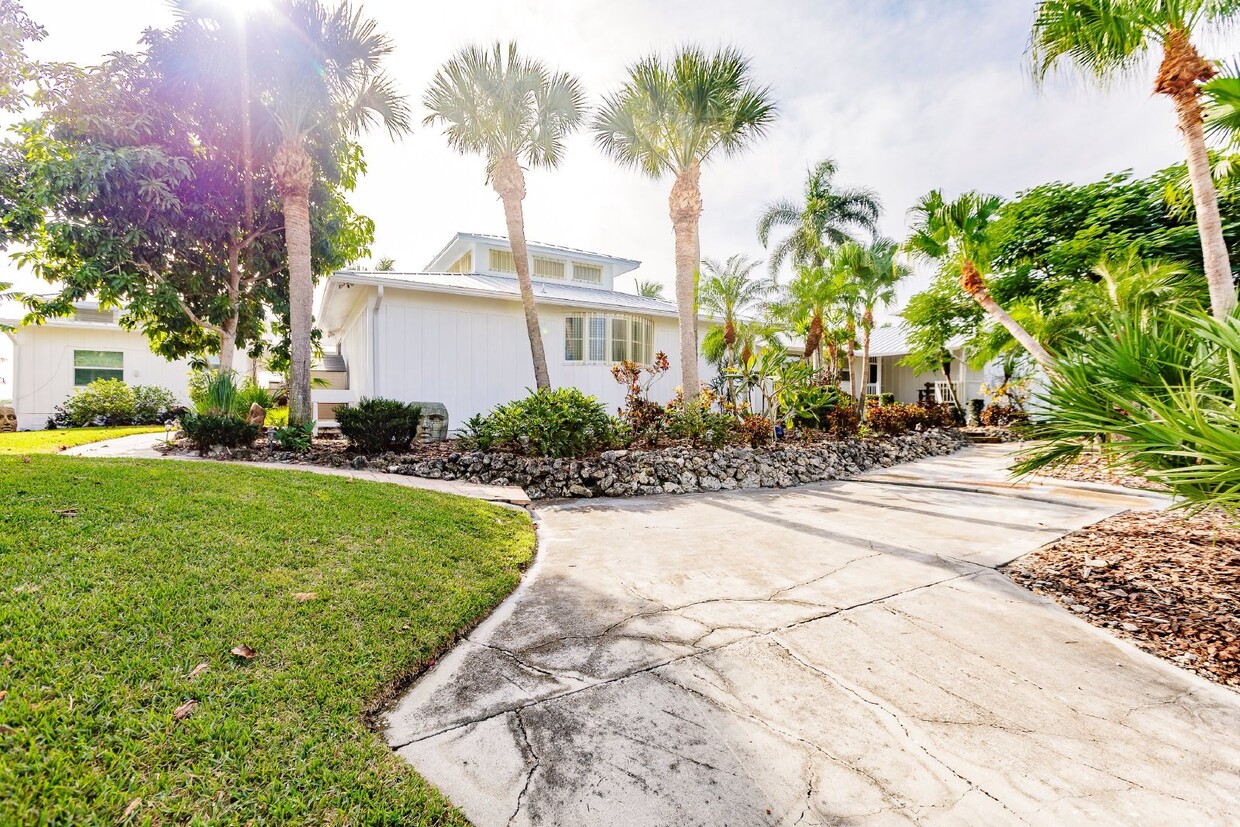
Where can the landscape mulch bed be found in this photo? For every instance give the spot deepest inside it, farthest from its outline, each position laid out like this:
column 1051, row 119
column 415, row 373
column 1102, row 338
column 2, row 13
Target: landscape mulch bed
column 1095, row 468
column 1168, row 582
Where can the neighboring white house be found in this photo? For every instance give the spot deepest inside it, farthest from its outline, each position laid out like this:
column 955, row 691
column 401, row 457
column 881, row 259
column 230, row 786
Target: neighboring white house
column 455, row 333
column 53, row 359
column 889, row 345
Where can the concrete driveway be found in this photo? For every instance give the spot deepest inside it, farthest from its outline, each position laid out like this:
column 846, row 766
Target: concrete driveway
column 836, row 654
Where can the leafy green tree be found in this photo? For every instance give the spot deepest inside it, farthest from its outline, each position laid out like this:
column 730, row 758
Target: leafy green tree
column 650, row 290
column 956, row 235
column 671, row 118
column 827, row 216
column 727, row 290
column 130, row 189
column 873, row 271
column 511, row 110
column 1105, row 38
column 17, row 70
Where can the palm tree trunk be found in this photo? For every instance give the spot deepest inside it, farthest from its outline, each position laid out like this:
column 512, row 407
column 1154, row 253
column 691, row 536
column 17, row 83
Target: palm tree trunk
column 1179, row 76
column 685, row 208
column 509, row 182
column 293, row 171
column 971, row 282
column 865, row 366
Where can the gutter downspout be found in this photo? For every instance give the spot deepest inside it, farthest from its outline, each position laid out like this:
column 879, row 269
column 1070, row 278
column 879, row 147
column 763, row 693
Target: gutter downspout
column 374, row 343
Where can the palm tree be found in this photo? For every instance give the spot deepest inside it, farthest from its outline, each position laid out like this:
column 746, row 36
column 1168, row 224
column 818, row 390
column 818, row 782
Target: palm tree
column 728, row 290
column 828, row 216
column 1112, row 37
column 873, row 271
column 387, row 264
column 673, row 117
column 511, row 110
column 954, row 233
column 814, row 304
column 650, row 290
column 321, row 82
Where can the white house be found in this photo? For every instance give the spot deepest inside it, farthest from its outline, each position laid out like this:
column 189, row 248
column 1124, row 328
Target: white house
column 889, row 345
column 455, row 332
column 53, row 359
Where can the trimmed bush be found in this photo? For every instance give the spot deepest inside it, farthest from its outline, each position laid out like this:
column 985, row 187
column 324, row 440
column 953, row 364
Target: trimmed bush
column 378, row 425
column 206, row 431
column 112, row 402
column 1003, row 416
column 551, row 423
column 896, row 419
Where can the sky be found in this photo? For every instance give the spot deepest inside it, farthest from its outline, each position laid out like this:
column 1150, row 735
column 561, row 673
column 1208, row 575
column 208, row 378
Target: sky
column 906, row 95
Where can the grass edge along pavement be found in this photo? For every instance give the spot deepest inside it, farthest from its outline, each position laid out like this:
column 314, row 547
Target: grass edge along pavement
column 121, row 577
column 54, row 441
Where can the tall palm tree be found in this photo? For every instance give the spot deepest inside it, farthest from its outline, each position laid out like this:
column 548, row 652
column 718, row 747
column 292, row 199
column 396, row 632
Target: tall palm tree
column 814, row 305
column 650, row 290
column 729, row 289
column 873, row 271
column 1104, row 38
column 954, row 233
column 320, row 81
column 511, row 110
column 673, row 117
column 828, row 216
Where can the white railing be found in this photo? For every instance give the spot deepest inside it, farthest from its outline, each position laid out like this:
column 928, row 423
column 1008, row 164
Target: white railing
column 871, row 389
column 942, row 394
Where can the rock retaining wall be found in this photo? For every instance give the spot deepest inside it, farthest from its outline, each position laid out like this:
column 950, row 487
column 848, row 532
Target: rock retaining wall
column 676, row 470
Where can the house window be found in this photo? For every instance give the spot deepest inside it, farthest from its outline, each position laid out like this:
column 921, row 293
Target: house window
column 89, row 365
column 502, row 261
column 464, row 264
column 548, row 268
column 591, row 273
column 608, row 338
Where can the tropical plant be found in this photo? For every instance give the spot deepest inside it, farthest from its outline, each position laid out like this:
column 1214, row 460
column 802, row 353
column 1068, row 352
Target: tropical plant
column 826, row 217
column 511, row 110
column 650, row 290
column 387, row 264
column 294, row 437
column 1105, row 38
column 727, row 290
column 873, row 271
column 563, row 422
column 112, row 402
column 374, row 426
column 206, row 431
column 694, row 418
column 671, row 117
column 642, row 416
column 954, row 233
column 814, row 304
column 320, row 80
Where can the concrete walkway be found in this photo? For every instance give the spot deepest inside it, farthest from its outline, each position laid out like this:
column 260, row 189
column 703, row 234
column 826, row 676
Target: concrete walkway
column 836, row 654
column 142, row 446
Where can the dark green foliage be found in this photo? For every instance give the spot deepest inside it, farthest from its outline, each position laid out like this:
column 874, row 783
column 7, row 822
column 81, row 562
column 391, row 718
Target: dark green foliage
column 562, row 422
column 810, row 405
column 886, row 399
column 896, row 419
column 374, row 426
column 112, row 402
column 976, row 406
column 697, row 421
column 206, row 431
column 295, row 437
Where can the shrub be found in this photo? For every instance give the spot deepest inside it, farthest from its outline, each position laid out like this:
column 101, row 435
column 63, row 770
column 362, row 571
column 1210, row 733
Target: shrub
column 112, row 402
column 1002, row 416
column 886, row 399
column 295, row 437
column 643, row 418
column 697, row 421
column 276, row 417
column 810, row 406
column 976, row 406
column 563, row 422
column 208, row 430
column 941, row 414
column 757, row 429
column 843, row 422
column 378, row 425
column 896, row 419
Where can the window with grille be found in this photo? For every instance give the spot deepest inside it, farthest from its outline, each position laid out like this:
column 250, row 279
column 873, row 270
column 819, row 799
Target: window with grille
column 502, row 261
column 548, row 268
column 600, row 337
column 591, row 273
column 89, row 365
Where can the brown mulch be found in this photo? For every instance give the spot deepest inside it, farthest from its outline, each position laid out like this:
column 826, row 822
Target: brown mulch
column 1168, row 582
column 1095, row 468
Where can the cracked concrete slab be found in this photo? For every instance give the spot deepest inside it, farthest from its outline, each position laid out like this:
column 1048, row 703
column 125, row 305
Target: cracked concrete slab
column 837, row 654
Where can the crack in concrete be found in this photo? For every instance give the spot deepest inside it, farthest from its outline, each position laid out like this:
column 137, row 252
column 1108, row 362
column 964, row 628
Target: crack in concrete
column 529, row 778
column 899, row 721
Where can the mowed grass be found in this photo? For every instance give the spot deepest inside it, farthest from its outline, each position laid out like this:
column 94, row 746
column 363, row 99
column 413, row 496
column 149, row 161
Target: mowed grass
column 50, row 442
column 118, row 577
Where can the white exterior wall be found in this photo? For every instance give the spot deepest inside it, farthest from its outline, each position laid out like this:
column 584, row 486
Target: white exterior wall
column 472, row 353
column 43, row 366
column 905, row 384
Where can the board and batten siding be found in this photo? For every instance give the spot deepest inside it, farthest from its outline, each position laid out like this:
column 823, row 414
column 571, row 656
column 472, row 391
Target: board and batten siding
column 43, row 367
column 471, row 353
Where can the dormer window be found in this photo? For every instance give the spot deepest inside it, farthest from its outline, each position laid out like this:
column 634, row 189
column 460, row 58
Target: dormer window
column 464, row 264
column 501, row 261
column 548, row 268
column 589, row 273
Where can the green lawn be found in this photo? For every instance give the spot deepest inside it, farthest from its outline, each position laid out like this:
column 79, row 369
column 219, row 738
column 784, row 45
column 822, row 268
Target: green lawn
column 49, row 442
column 118, row 577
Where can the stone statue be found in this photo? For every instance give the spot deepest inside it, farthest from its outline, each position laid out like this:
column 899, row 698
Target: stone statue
column 8, row 419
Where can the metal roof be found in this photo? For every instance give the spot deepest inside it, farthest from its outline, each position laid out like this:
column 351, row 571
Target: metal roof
column 888, row 341
column 540, row 245
column 564, row 293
